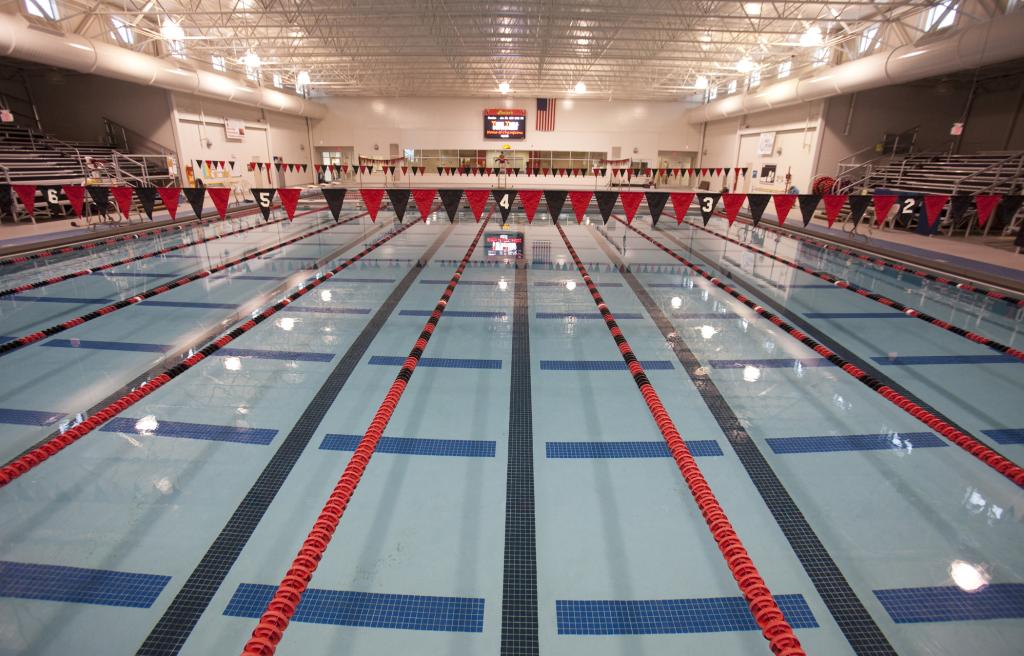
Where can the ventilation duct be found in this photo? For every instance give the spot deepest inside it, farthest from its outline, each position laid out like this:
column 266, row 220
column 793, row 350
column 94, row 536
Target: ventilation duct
column 991, row 42
column 20, row 40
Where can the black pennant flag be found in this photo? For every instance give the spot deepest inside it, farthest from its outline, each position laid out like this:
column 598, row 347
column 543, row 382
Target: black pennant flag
column 606, row 203
column 399, row 201
column 757, row 203
column 101, row 197
column 808, row 205
column 555, row 198
column 858, row 205
column 264, row 200
column 5, row 199
column 439, row 170
column 908, row 206
column 656, row 203
column 52, row 197
column 1007, row 210
column 450, row 199
column 958, row 206
column 196, row 197
column 707, row 203
column 147, row 198
column 504, row 199
column 335, row 197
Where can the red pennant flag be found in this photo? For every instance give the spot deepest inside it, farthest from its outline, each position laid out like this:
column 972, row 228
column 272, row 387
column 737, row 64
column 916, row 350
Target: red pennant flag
column 169, row 196
column 544, row 171
column 405, row 170
column 580, row 200
column 123, row 196
column 209, row 164
column 833, row 205
column 689, row 172
column 933, row 204
column 530, row 199
column 680, row 204
column 630, row 203
column 27, row 195
column 986, row 204
column 732, row 204
column 883, row 203
column 344, row 168
column 424, row 200
column 783, row 203
column 76, row 196
column 289, row 200
column 220, row 197
column 676, row 172
column 372, row 199
column 477, row 201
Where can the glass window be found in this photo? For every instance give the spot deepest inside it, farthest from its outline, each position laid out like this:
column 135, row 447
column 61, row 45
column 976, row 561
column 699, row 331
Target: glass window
column 122, row 30
column 821, row 56
column 755, row 77
column 278, row 81
column 218, row 63
column 732, row 87
column 785, row 68
column 867, row 39
column 941, row 15
column 42, row 8
column 713, row 92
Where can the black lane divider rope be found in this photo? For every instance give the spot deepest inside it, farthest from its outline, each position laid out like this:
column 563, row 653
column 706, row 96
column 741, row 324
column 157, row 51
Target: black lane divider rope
column 759, row 598
column 28, row 461
column 279, row 611
column 175, row 626
column 878, row 298
column 856, row 623
column 849, row 252
column 972, row 445
column 519, row 622
column 110, row 265
column 25, row 340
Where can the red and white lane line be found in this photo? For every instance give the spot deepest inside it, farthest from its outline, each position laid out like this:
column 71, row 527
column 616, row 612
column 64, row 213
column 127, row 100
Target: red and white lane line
column 969, row 444
column 762, row 605
column 25, row 340
column 28, row 461
column 271, row 627
column 878, row 298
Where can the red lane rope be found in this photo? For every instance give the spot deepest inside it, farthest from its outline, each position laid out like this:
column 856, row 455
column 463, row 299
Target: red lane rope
column 874, row 296
column 28, row 461
column 969, row 444
column 964, row 286
column 109, row 265
column 21, row 259
column 762, row 605
column 275, row 619
column 25, row 340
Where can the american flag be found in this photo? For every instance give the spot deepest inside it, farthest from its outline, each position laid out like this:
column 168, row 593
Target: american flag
column 545, row 115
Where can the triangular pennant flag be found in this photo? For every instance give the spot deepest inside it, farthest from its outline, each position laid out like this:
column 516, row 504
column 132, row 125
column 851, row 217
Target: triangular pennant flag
column 305, row 168
column 530, row 199
column 317, row 167
column 858, row 205
column 52, row 197
column 580, row 201
column 232, row 165
column 543, row 171
column 732, row 204
column 220, row 197
column 985, row 204
column 808, row 206
column 440, row 169
column 681, row 203
column 958, row 206
column 123, row 196
column 170, row 196
column 656, row 204
column 718, row 171
column 101, row 198
column 757, row 204
column 264, row 200
column 27, row 196
column 1008, row 209
column 727, row 169
column 675, row 172
column 424, row 201
column 289, row 200
column 783, row 204
column 933, row 204
column 209, row 163
column 196, row 197
column 399, row 202
column 703, row 172
column 555, row 198
column 744, row 170
column 706, row 203
column 536, row 171
column 477, row 201
column 504, row 198
column 883, row 203
column 833, row 206
column 277, row 165
column 335, row 198
column 450, row 199
column 630, row 203
column 606, row 203
column 344, row 169
column 516, row 170
column 372, row 199
column 76, row 196
column 689, row 172
column 405, row 170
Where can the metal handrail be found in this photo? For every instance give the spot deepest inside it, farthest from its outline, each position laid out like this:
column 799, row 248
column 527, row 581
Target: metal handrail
column 1019, row 158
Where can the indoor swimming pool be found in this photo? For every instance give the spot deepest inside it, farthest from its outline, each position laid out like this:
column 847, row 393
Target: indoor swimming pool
column 522, row 498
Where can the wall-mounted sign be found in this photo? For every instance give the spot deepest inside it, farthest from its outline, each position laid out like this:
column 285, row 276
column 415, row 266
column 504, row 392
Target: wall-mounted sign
column 504, row 124
column 766, row 143
column 234, row 129
column 6, row 116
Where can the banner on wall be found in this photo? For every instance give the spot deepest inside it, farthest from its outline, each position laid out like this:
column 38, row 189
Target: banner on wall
column 234, row 129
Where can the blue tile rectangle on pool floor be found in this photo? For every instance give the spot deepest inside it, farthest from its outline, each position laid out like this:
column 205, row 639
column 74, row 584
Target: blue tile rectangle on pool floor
column 339, row 278
column 638, row 449
column 705, row 315
column 132, row 274
column 668, row 616
column 79, row 585
column 951, row 604
column 463, row 314
column 946, row 359
column 302, row 356
column 549, row 283
column 587, row 315
column 1006, row 435
column 57, row 299
column 367, row 609
column 891, row 314
column 29, row 417
column 313, row 309
column 447, row 363
column 189, row 304
column 187, row 430
column 601, row 365
column 769, row 363
column 478, row 283
column 413, row 446
column 867, row 442
column 101, row 345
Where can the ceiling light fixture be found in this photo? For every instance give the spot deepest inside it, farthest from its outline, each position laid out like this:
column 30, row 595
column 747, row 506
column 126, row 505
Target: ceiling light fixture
column 251, row 60
column 812, row 38
column 504, row 87
column 745, row 65
column 171, row 30
column 581, row 87
column 701, row 82
column 752, row 8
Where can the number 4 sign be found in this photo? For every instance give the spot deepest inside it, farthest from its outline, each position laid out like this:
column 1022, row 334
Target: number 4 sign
column 504, row 198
